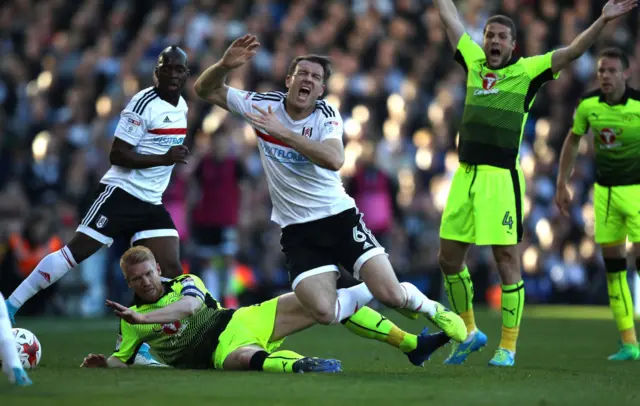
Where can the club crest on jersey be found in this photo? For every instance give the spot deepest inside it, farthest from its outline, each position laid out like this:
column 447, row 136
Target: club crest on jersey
column 306, row 131
column 173, row 328
column 609, row 138
column 489, row 81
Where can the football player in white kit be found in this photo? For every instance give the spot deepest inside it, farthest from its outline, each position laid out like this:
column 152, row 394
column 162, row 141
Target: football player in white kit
column 301, row 147
column 147, row 144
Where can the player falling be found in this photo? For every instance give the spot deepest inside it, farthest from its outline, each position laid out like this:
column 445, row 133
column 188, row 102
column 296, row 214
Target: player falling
column 484, row 206
column 612, row 113
column 11, row 364
column 301, row 148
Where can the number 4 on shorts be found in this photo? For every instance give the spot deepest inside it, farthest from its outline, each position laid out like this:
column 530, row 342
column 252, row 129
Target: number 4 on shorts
column 507, row 220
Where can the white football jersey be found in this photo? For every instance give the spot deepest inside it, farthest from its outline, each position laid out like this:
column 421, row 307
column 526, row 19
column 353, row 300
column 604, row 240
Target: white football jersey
column 153, row 126
column 300, row 190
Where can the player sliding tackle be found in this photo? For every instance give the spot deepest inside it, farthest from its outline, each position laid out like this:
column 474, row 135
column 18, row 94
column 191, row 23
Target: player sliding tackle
column 187, row 328
column 301, row 147
column 612, row 113
column 484, row 206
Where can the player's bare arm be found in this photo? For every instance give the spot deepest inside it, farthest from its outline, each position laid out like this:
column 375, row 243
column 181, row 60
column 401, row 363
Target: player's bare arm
column 612, row 10
column 451, row 21
column 567, row 162
column 179, row 310
column 211, row 86
column 327, row 154
column 124, row 155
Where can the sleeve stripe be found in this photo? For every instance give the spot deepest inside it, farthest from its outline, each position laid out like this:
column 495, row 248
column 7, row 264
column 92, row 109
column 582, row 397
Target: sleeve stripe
column 141, row 101
column 146, row 103
column 275, row 96
column 267, row 98
column 325, row 109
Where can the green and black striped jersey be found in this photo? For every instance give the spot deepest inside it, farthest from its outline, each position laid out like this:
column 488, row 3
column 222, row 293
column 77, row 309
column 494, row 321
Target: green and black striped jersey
column 497, row 104
column 616, row 135
column 188, row 343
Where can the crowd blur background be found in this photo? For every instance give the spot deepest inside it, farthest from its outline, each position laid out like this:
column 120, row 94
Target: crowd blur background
column 68, row 67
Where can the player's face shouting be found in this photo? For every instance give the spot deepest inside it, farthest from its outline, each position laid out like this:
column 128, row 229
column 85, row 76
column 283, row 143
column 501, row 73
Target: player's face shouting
column 498, row 45
column 306, row 84
column 144, row 279
column 611, row 75
column 172, row 71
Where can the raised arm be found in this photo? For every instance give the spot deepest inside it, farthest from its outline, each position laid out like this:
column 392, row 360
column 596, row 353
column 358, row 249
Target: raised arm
column 612, row 10
column 451, row 21
column 211, row 86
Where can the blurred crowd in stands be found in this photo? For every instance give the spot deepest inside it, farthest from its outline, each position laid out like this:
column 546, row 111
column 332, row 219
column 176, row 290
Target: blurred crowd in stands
column 68, row 67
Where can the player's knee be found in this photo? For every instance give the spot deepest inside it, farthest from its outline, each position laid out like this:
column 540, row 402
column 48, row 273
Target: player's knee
column 324, row 315
column 448, row 263
column 505, row 259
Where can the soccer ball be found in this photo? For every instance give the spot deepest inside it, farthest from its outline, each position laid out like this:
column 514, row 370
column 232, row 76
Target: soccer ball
column 28, row 346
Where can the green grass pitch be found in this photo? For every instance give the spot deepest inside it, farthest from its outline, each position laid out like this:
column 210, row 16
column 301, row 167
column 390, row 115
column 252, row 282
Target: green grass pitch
column 559, row 362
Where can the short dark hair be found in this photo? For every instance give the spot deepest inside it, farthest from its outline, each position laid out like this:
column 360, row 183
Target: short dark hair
column 323, row 61
column 503, row 20
column 616, row 53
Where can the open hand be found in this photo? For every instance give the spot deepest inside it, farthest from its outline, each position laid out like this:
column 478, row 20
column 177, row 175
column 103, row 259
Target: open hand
column 267, row 121
column 94, row 361
column 240, row 51
column 126, row 314
column 615, row 8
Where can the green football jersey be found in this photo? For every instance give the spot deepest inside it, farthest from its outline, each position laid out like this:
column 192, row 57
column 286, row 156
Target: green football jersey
column 616, row 134
column 188, row 343
column 497, row 104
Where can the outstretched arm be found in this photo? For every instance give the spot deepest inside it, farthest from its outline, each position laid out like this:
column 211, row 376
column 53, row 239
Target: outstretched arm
column 451, row 21
column 184, row 307
column 210, row 86
column 612, row 10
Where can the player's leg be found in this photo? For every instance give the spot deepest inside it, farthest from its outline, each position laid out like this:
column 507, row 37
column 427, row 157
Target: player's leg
column 310, row 261
column 358, row 250
column 318, row 295
column 457, row 232
column 51, row 268
column 247, row 343
column 166, row 250
column 157, row 232
column 498, row 213
column 291, row 318
column 616, row 216
column 97, row 228
column 11, row 364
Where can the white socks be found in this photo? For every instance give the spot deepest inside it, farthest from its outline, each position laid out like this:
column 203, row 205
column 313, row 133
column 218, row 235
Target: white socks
column 350, row 300
column 8, row 353
column 417, row 302
column 52, row 267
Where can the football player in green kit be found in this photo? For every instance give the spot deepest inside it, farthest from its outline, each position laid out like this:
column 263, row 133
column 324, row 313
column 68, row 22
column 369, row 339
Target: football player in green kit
column 484, row 206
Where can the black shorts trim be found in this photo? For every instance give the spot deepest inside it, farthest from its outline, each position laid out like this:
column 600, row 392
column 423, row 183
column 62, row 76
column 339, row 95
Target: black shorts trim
column 116, row 213
column 518, row 199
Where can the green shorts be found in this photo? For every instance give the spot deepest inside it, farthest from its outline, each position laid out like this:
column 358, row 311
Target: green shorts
column 252, row 325
column 484, row 206
column 617, row 213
